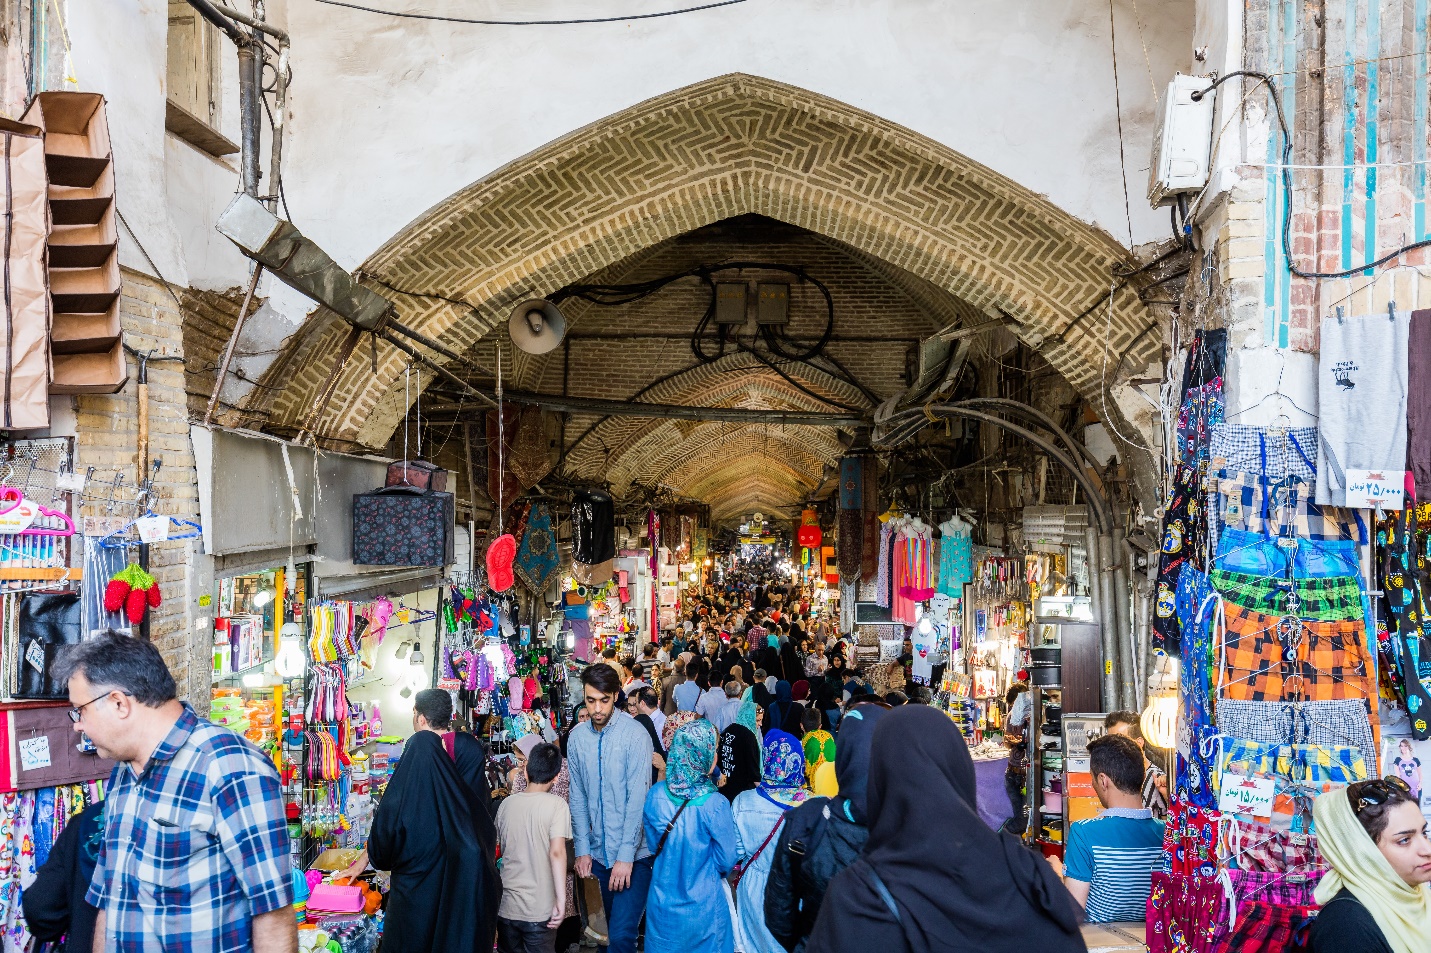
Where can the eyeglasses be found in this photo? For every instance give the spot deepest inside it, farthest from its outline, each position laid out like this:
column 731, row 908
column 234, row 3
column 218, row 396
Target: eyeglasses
column 1379, row 791
column 76, row 713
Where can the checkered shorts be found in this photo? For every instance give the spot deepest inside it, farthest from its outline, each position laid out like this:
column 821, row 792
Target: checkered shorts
column 1274, row 454
column 1290, row 764
column 1271, row 658
column 1335, row 723
column 1279, row 507
column 1329, row 599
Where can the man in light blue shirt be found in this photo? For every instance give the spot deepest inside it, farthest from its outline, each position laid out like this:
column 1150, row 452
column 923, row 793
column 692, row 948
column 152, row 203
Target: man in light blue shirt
column 609, row 761
column 1110, row 858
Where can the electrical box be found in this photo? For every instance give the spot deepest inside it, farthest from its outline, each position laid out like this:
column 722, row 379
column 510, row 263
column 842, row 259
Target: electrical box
column 772, row 303
column 1182, row 148
column 730, row 302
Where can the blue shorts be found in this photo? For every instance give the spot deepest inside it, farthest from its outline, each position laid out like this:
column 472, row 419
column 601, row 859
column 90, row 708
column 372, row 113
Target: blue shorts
column 1258, row 555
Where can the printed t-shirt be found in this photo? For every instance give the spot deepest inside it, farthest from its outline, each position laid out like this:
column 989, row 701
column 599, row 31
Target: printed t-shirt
column 526, row 824
column 1116, row 854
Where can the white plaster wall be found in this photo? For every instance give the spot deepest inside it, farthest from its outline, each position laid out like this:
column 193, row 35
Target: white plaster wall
column 391, row 116
column 388, row 117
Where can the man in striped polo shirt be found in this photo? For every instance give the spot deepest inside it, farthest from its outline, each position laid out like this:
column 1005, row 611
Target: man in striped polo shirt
column 1110, row 859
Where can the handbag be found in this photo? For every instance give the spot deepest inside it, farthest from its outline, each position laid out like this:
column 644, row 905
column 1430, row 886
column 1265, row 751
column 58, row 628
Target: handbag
column 48, row 623
column 740, row 869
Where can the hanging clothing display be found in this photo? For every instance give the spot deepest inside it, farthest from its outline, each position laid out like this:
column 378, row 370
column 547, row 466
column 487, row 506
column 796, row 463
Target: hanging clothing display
column 1418, row 404
column 593, row 546
column 956, row 556
column 1362, row 382
column 537, row 556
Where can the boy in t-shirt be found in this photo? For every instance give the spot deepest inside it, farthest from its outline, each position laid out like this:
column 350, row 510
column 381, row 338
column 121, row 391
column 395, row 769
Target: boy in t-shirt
column 1110, row 858
column 532, row 830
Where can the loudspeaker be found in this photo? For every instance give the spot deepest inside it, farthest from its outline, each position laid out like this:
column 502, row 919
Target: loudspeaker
column 536, row 326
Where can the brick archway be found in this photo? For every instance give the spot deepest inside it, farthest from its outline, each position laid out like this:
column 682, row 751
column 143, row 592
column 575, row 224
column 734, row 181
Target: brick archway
column 730, row 146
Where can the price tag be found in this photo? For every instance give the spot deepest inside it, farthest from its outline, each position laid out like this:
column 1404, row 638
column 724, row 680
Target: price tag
column 70, row 482
column 36, row 656
column 1251, row 796
column 1376, row 489
column 34, row 753
column 152, row 529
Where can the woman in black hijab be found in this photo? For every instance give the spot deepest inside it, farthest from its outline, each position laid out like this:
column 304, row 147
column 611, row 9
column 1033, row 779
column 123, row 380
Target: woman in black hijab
column 933, row 876
column 740, row 751
column 428, row 832
column 784, row 713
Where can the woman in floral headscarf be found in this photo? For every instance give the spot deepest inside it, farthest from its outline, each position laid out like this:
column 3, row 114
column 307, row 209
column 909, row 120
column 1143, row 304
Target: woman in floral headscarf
column 759, row 815
column 693, row 839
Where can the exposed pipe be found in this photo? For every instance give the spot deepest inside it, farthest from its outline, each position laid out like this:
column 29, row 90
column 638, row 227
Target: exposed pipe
column 1128, row 691
column 246, row 20
column 249, row 63
column 1096, row 499
column 1106, row 626
column 210, row 12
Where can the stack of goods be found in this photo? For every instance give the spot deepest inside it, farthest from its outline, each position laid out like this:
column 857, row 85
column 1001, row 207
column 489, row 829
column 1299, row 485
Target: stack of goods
column 1261, row 596
column 967, row 715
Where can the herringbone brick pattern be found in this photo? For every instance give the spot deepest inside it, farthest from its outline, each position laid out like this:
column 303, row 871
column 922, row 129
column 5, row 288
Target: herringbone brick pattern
column 730, row 146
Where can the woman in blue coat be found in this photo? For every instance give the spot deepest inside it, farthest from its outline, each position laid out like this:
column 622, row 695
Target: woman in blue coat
column 693, row 834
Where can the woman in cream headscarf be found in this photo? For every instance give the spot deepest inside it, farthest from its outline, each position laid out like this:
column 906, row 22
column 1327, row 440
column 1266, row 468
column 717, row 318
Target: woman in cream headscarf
column 1375, row 898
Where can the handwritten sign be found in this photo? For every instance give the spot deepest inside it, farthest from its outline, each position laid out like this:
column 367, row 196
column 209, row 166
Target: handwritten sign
column 1250, row 796
column 152, row 529
column 34, row 753
column 1376, row 489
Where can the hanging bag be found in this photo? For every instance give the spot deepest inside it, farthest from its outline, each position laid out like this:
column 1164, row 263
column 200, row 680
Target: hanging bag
column 48, row 623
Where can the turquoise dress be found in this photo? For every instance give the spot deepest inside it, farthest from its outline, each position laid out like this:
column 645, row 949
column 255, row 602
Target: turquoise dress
column 686, row 909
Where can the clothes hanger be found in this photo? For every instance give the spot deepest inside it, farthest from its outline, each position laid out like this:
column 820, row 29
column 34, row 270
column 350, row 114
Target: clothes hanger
column 109, row 541
column 1275, row 392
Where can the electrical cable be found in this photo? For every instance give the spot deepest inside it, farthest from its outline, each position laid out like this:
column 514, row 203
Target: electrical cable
column 1287, row 187
column 466, row 20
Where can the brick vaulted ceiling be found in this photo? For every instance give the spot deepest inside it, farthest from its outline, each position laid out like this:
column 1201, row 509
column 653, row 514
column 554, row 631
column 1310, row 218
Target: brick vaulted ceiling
column 913, row 236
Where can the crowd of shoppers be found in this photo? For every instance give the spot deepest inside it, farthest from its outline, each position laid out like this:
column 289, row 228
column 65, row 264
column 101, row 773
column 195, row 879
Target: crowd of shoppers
column 717, row 805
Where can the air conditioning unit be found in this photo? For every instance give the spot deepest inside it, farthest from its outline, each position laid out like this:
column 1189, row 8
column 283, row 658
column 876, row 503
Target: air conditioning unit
column 1182, row 148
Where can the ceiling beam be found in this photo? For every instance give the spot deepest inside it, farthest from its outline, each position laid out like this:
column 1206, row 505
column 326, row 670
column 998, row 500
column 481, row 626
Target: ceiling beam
column 631, row 408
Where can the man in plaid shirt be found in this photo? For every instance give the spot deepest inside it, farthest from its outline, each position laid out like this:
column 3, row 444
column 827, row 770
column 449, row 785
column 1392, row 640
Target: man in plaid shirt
column 195, row 853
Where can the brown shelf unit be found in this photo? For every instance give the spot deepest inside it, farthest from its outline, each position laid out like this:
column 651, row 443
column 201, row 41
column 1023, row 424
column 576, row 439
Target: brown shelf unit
column 86, row 343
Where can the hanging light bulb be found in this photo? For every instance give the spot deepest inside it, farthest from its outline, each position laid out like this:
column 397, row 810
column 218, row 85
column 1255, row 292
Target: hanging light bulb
column 1160, row 717
column 291, row 660
column 416, row 673
column 925, row 626
column 262, row 598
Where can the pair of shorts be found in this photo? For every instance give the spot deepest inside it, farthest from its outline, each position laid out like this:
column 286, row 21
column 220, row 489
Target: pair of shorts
column 1196, row 605
column 1281, row 507
column 1190, row 838
column 1271, row 658
column 1271, row 928
column 1256, row 847
column 1327, row 599
column 1293, row 764
column 1184, row 537
column 1289, row 888
column 1186, row 915
column 1344, row 723
column 1283, row 452
column 1255, row 554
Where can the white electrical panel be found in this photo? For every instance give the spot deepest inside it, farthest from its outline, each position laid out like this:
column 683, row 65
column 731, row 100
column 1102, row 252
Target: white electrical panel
column 1182, row 148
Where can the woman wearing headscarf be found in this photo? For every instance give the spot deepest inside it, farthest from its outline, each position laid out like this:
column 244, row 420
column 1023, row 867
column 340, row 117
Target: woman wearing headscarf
column 693, row 839
column 570, row 930
column 784, row 714
column 740, row 750
column 818, row 743
column 933, row 876
column 768, row 656
column 444, row 880
column 1375, row 898
column 830, row 833
column 759, row 815
column 792, row 659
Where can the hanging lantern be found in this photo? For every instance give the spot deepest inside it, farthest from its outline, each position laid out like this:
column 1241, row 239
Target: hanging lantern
column 808, row 536
column 1160, row 718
